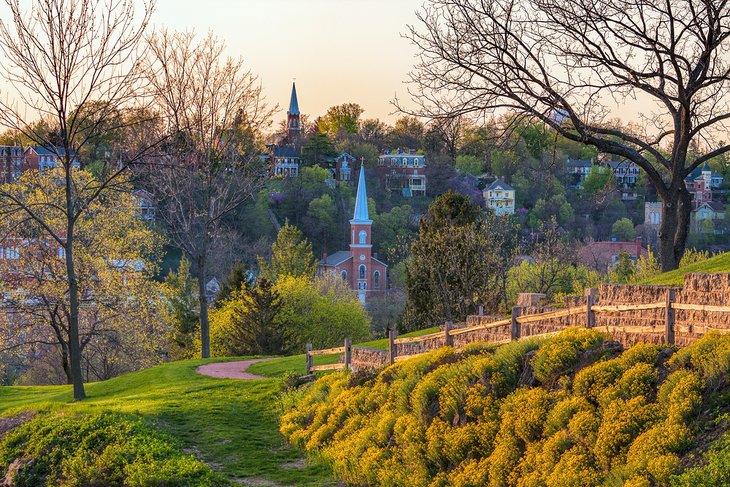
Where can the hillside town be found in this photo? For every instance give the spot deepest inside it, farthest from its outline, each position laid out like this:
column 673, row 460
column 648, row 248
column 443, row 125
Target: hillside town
column 266, row 258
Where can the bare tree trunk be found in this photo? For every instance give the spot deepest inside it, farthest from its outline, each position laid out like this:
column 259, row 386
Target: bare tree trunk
column 65, row 364
column 203, row 300
column 74, row 344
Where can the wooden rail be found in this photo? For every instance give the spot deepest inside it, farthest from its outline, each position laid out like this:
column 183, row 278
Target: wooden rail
column 664, row 325
column 346, row 364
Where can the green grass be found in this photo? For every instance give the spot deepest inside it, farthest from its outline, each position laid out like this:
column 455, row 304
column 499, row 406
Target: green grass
column 233, row 424
column 719, row 263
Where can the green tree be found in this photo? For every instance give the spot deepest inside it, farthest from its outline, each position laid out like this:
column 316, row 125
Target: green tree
column 291, row 256
column 181, row 310
column 599, row 181
column 323, row 312
column 340, row 119
column 318, row 148
column 458, row 262
column 470, row 165
column 236, row 278
column 623, row 230
column 246, row 323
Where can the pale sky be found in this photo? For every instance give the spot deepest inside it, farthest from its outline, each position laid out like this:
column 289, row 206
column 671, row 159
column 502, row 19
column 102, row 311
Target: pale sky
column 339, row 51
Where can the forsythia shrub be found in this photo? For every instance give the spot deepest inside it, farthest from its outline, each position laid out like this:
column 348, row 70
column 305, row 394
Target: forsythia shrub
column 493, row 416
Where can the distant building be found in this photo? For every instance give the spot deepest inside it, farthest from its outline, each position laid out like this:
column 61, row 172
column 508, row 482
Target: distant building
column 358, row 267
column 404, row 170
column 42, row 158
column 285, row 160
column 626, row 172
column 144, row 207
column 11, row 163
column 579, row 169
column 283, row 157
column 344, row 167
column 653, row 212
column 699, row 183
column 602, row 256
column 708, row 212
column 500, row 197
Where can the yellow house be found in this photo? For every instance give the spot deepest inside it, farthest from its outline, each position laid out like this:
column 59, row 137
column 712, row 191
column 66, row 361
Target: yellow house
column 500, row 197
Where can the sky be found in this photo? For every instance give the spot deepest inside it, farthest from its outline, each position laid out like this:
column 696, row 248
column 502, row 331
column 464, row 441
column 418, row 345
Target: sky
column 339, row 51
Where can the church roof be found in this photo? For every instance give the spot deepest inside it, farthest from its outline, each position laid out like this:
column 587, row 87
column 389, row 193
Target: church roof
column 337, row 258
column 294, row 104
column 361, row 201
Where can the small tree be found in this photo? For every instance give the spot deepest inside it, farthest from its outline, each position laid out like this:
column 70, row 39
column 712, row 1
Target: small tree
column 623, row 230
column 291, row 256
column 181, row 314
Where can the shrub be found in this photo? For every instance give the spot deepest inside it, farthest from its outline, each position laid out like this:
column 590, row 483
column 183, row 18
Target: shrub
column 561, row 354
column 98, row 449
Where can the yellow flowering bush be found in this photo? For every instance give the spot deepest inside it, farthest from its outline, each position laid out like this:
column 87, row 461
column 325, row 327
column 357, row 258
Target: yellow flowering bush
column 477, row 417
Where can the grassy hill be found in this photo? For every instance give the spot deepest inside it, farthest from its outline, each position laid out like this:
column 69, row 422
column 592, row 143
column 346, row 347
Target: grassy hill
column 231, row 425
column 718, row 263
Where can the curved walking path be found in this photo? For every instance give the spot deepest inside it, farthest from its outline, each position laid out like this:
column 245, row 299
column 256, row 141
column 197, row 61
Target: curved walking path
column 231, row 370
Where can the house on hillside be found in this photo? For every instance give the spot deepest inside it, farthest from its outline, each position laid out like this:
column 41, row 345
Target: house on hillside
column 144, row 207
column 700, row 184
column 44, row 158
column 11, row 163
column 578, row 169
column 602, row 256
column 708, row 218
column 500, row 197
column 404, row 170
column 344, row 167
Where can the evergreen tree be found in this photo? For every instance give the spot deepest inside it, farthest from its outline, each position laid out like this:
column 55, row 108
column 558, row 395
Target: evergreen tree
column 237, row 277
column 181, row 313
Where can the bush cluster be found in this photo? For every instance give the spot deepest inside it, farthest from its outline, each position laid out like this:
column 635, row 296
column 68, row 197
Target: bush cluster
column 98, row 449
column 562, row 411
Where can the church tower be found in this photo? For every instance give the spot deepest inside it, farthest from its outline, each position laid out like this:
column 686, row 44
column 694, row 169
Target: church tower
column 293, row 125
column 361, row 241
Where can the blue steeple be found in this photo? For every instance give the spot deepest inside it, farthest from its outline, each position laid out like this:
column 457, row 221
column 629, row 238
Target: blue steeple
column 293, row 104
column 361, row 201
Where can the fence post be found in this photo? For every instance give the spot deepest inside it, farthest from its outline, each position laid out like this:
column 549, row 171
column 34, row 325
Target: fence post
column 481, row 310
column 348, row 354
column 590, row 315
column 309, row 358
column 392, row 335
column 515, row 328
column 448, row 339
column 670, row 316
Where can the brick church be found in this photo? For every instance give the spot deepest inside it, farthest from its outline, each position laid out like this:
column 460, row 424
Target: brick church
column 358, row 266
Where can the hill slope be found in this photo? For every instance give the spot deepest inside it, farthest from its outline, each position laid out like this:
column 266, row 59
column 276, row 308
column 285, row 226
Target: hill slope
column 570, row 410
column 230, row 424
column 718, row 263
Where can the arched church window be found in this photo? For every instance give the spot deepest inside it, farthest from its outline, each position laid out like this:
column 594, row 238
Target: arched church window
column 344, row 275
column 376, row 279
column 362, row 271
column 363, row 236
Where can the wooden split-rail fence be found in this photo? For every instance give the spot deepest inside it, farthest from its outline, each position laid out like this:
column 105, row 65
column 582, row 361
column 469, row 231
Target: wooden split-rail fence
column 661, row 328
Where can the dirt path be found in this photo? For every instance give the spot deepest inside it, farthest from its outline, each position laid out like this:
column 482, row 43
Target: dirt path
column 231, row 370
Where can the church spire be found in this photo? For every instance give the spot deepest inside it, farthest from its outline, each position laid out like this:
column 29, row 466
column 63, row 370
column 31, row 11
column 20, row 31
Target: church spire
column 293, row 103
column 361, row 201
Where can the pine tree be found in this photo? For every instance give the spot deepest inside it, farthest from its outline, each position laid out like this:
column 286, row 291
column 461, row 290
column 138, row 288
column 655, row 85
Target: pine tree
column 291, row 256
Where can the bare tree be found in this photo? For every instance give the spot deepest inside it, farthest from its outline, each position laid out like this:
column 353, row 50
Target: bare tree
column 73, row 63
column 214, row 110
column 569, row 63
